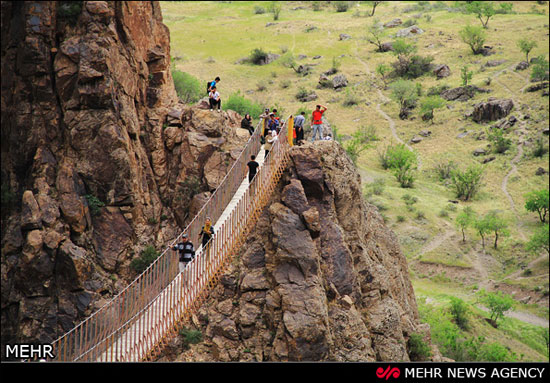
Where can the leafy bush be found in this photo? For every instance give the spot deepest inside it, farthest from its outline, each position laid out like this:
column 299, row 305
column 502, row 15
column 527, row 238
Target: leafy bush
column 341, row 6
column 285, row 84
column 403, row 163
column 7, row 197
column 540, row 148
column 351, row 98
column 465, row 75
column 404, row 93
column 146, row 257
column 275, row 8
column 69, row 11
column 500, row 143
column 539, row 240
column 459, row 311
column 259, row 10
column 437, row 90
column 301, row 94
column 242, row 105
column 539, row 69
column 443, row 169
column 428, row 105
column 257, row 56
column 418, row 348
column 525, row 46
column 188, row 87
column 466, row 183
column 474, row 36
column 190, row 337
column 497, row 303
column 94, row 204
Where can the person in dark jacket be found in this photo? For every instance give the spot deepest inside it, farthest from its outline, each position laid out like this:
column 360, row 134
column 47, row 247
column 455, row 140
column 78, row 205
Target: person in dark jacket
column 186, row 250
column 246, row 123
column 207, row 232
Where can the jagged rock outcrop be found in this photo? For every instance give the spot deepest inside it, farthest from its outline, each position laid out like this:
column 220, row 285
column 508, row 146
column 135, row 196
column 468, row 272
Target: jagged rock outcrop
column 320, row 277
column 99, row 159
column 492, row 110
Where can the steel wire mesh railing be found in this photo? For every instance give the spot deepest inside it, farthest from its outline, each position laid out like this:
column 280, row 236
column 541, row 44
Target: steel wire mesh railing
column 133, row 324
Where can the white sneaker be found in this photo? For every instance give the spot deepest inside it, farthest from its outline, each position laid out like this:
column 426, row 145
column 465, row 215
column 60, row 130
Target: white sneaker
column 211, row 110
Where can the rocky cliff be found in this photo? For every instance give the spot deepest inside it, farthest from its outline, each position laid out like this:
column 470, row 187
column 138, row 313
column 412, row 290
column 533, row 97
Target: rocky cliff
column 321, row 278
column 99, row 158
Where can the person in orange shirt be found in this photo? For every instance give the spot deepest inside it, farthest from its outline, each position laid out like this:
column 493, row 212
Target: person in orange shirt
column 317, row 121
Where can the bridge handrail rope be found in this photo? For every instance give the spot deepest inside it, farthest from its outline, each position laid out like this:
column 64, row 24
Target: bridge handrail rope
column 109, row 333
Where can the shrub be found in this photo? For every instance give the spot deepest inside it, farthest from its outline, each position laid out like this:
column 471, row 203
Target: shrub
column 8, row 198
column 437, row 90
column 69, row 11
column 301, row 94
column 539, row 149
column 351, row 98
column 400, row 218
column 377, row 186
column 242, row 105
column 258, row 56
column 474, row 37
column 190, row 337
column 94, row 204
column 500, row 143
column 404, row 93
column 383, row 70
column 259, row 10
column 261, row 86
column 418, row 348
column 539, row 69
column 403, row 163
column 317, row 5
column 146, row 257
column 341, row 6
column 466, row 183
column 459, row 311
column 465, row 75
column 188, row 87
column 275, row 7
column 464, row 220
column 285, row 84
column 443, row 169
column 408, row 23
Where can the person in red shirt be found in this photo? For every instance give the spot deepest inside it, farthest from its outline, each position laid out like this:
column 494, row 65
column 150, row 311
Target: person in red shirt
column 317, row 121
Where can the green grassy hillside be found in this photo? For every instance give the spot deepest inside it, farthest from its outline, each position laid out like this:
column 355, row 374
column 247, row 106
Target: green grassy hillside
column 209, row 38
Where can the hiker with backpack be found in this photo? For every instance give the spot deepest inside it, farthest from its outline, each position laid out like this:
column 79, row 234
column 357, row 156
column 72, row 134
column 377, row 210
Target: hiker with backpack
column 214, row 99
column 211, row 84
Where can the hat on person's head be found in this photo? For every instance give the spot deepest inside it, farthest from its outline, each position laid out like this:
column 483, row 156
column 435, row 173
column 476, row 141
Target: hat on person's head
column 184, row 236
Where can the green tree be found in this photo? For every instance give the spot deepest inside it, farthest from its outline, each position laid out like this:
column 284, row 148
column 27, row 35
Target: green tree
column 403, row 162
column 275, row 7
column 188, row 87
column 539, row 240
column 374, row 5
column 539, row 70
column 428, row 105
column 525, row 46
column 404, row 52
column 483, row 227
column 464, row 220
column 497, row 225
column 404, row 93
column 146, row 257
column 497, row 303
column 538, row 201
column 474, row 36
column 466, row 183
column 466, row 75
column 418, row 348
column 375, row 33
column 484, row 10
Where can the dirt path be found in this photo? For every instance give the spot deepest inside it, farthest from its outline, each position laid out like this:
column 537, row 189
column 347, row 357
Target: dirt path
column 517, row 158
column 391, row 122
column 437, row 241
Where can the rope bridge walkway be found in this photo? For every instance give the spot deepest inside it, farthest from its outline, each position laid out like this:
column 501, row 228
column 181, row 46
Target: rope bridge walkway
column 136, row 323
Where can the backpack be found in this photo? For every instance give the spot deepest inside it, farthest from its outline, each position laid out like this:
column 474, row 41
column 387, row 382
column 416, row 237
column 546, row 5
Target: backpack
column 208, row 86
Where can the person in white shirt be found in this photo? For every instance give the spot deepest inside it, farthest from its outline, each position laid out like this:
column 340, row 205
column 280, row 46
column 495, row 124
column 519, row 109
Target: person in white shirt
column 214, row 99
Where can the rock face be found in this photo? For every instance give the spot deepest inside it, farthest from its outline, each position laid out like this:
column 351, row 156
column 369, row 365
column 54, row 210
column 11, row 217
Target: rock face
column 95, row 150
column 462, row 93
column 320, row 278
column 492, row 110
column 409, row 32
column 442, row 71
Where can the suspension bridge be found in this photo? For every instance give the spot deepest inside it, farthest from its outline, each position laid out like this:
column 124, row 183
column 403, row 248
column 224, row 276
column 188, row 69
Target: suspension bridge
column 135, row 324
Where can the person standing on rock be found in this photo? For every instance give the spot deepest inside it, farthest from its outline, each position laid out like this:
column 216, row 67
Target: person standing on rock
column 299, row 128
column 246, row 123
column 186, row 251
column 207, row 232
column 252, row 168
column 214, row 99
column 317, row 121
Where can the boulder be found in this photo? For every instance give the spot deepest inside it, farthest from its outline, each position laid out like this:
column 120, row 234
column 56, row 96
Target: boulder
column 339, row 81
column 386, row 47
column 488, row 159
column 493, row 63
column 344, row 36
column 479, row 152
column 462, row 93
column 416, row 139
column 425, row 133
column 442, row 71
column 541, row 171
column 492, row 110
column 30, row 212
column 522, row 65
column 394, row 23
column 409, row 32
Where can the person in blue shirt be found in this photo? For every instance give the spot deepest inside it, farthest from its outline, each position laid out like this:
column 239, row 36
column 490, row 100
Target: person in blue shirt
column 212, row 85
